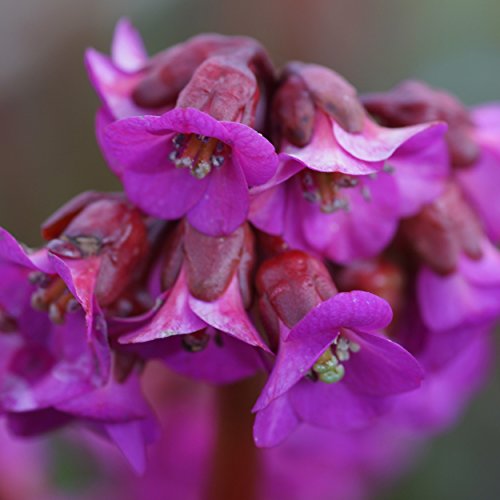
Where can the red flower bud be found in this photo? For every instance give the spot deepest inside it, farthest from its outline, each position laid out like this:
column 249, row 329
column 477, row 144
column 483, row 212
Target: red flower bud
column 443, row 230
column 290, row 285
column 414, row 102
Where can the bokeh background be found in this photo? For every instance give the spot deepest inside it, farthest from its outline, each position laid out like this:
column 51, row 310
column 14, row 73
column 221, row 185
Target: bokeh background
column 48, row 151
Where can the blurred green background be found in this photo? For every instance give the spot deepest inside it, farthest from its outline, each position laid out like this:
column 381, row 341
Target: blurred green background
column 47, row 110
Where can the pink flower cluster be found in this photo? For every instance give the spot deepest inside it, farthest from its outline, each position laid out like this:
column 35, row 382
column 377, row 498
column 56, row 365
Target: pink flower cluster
column 337, row 251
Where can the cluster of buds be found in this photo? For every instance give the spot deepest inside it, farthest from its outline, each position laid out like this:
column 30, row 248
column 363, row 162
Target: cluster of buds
column 340, row 250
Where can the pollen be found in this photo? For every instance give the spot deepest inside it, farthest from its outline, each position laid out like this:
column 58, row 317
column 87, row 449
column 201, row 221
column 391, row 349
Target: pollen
column 329, row 368
column 325, row 189
column 197, row 153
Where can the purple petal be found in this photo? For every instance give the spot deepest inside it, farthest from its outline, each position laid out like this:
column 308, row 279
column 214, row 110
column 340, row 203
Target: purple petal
column 360, row 231
column 174, row 317
column 188, row 121
column 131, row 439
column 378, row 143
column 113, row 86
column 228, row 315
column 480, row 185
column 420, row 175
column 267, row 210
column 487, row 116
column 224, row 205
column 334, row 406
column 114, row 402
column 452, row 301
column 13, row 252
column 325, row 154
column 311, row 336
column 381, row 367
column 41, row 374
column 33, row 423
column 354, row 310
column 127, row 48
column 255, row 154
column 225, row 359
column 274, row 423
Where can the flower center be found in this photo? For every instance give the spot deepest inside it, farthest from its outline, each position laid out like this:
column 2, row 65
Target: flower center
column 198, row 341
column 52, row 296
column 329, row 367
column 197, row 153
column 324, row 188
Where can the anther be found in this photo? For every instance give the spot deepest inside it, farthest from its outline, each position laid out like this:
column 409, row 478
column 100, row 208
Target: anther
column 195, row 342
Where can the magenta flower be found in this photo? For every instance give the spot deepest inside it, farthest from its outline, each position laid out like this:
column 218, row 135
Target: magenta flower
column 334, row 368
column 100, row 241
column 459, row 279
column 117, row 411
column 200, row 327
column 187, row 163
column 344, row 181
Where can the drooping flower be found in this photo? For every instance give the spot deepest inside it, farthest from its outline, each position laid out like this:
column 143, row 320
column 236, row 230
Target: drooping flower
column 53, row 299
column 334, row 368
column 200, row 327
column 472, row 139
column 459, row 277
column 344, row 181
column 116, row 411
column 129, row 83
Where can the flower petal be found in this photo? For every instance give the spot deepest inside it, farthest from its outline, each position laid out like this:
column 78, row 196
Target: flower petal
column 354, row 310
column 378, row 143
column 228, row 315
column 174, row 317
column 325, row 154
column 274, row 423
column 452, row 301
column 225, row 359
column 334, row 406
column 360, row 231
column 224, row 205
column 254, row 153
column 381, row 367
column 113, row 86
column 127, row 48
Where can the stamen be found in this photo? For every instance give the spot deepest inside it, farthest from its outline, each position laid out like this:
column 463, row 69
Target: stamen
column 198, row 153
column 195, row 342
column 59, row 308
column 43, row 297
column 329, row 367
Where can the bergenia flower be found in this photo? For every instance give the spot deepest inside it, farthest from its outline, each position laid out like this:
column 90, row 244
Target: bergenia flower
column 458, row 284
column 472, row 139
column 344, row 181
column 129, row 83
column 95, row 244
column 117, row 411
column 186, row 162
column 200, row 327
column 334, row 367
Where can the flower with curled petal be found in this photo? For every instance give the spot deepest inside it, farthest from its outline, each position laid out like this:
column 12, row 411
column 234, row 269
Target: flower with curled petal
column 334, row 368
column 186, row 162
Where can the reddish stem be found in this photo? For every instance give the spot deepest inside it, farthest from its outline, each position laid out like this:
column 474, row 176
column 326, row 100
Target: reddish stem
column 235, row 465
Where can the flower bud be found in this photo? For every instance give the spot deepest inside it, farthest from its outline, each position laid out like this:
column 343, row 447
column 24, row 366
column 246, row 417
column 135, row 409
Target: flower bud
column 414, row 102
column 444, row 230
column 289, row 286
